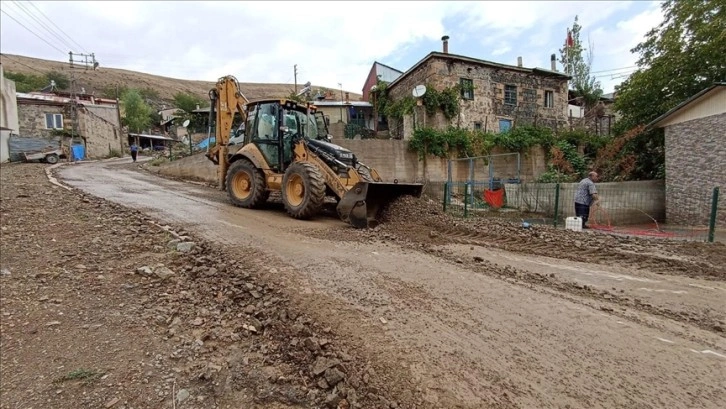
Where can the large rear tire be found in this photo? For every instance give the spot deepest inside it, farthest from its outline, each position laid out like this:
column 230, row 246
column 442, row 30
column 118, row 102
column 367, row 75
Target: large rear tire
column 246, row 185
column 303, row 190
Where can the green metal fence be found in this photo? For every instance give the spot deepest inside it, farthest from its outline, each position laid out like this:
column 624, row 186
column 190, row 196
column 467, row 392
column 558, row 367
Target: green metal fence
column 640, row 208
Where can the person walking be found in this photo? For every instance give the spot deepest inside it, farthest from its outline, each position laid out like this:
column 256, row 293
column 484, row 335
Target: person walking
column 586, row 196
column 134, row 151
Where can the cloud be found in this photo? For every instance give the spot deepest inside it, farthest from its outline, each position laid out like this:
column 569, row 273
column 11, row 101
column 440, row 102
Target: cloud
column 331, row 42
column 612, row 45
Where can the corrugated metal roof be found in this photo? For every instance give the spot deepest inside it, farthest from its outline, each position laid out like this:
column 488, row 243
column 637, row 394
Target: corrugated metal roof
column 159, row 137
column 339, row 103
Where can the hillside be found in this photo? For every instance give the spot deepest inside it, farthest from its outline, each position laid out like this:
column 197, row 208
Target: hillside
column 95, row 82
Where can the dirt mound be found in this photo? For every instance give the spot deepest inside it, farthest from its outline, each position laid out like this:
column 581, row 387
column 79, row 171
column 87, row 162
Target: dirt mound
column 421, row 221
column 138, row 314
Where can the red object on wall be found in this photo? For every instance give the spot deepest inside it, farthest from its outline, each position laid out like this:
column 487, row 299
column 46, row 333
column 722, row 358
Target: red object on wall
column 495, row 198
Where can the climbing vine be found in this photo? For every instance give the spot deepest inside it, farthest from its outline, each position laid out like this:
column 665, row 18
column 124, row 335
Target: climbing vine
column 446, row 100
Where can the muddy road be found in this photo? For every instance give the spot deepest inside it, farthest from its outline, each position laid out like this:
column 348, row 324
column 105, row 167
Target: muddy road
column 478, row 320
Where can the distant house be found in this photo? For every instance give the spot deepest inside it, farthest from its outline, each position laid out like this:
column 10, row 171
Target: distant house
column 695, row 155
column 598, row 120
column 379, row 72
column 494, row 97
column 43, row 116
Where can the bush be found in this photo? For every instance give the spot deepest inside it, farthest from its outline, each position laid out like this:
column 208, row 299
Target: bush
column 114, row 153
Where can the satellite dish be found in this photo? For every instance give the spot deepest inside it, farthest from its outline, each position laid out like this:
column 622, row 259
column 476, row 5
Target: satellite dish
column 186, row 123
column 419, row 91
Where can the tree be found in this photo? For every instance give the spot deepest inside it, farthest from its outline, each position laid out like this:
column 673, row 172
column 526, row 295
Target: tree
column 577, row 62
column 680, row 57
column 61, row 80
column 188, row 102
column 137, row 114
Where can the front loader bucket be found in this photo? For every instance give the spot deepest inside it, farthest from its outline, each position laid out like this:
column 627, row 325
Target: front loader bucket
column 360, row 205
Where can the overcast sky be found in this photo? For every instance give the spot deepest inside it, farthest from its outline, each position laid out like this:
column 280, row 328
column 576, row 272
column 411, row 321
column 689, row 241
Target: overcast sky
column 331, row 42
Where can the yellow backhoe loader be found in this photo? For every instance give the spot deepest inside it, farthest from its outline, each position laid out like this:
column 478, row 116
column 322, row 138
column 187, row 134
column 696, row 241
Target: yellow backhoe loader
column 287, row 149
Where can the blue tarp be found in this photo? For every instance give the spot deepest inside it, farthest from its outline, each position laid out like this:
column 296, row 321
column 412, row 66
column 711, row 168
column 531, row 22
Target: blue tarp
column 78, row 152
column 203, row 144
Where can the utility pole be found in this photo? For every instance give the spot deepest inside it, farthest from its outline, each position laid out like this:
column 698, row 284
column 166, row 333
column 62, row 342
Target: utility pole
column 341, row 102
column 84, row 61
column 295, row 79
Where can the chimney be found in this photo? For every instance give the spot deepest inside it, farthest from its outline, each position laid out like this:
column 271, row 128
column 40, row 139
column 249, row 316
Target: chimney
column 347, row 97
column 519, row 61
column 553, row 62
column 445, row 39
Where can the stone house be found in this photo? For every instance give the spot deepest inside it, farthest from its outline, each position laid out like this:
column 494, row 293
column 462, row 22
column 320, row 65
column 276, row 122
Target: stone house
column 695, row 155
column 494, row 97
column 48, row 116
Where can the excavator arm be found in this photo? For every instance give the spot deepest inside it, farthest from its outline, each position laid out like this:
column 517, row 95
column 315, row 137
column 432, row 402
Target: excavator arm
column 226, row 100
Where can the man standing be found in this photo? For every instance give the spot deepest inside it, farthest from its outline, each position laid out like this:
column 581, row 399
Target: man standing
column 134, row 151
column 585, row 196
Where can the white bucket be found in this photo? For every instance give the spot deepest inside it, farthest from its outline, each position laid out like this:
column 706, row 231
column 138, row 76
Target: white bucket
column 573, row 223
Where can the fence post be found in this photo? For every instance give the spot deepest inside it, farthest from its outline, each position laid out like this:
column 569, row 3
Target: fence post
column 712, row 221
column 557, row 202
column 466, row 199
column 446, row 194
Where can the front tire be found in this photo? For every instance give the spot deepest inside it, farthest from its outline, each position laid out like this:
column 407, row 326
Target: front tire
column 246, row 185
column 52, row 158
column 303, row 190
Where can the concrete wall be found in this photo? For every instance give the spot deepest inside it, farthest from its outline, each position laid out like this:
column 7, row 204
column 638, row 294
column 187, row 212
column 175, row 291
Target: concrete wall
column 622, row 202
column 8, row 114
column 488, row 106
column 196, row 167
column 392, row 159
column 695, row 154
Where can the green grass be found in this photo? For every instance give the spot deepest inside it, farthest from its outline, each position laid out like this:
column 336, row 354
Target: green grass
column 81, row 374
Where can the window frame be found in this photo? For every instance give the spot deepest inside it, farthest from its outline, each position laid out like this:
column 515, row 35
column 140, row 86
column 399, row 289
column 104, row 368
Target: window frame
column 467, row 91
column 55, row 118
column 512, row 90
column 551, row 100
column 509, row 120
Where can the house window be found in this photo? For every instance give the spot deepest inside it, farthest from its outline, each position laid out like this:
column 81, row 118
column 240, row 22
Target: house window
column 510, row 95
column 549, row 99
column 53, row 121
column 467, row 88
column 477, row 126
column 505, row 125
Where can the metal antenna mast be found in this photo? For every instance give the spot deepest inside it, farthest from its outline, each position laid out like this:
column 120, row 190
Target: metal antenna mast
column 78, row 61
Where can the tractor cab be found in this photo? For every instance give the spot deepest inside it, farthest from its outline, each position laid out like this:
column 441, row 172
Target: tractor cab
column 275, row 126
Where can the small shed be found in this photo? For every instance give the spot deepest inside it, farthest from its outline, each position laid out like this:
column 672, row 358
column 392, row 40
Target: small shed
column 150, row 142
column 695, row 155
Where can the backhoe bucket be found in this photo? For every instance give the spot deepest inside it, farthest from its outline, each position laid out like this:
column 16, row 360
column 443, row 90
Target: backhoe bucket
column 360, row 205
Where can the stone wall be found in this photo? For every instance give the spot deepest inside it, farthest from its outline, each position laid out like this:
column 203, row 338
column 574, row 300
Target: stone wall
column 31, row 119
column 695, row 164
column 97, row 125
column 488, row 107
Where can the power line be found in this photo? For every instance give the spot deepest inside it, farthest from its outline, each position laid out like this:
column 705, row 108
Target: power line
column 23, row 64
column 31, row 31
column 614, row 69
column 54, row 25
column 42, row 25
